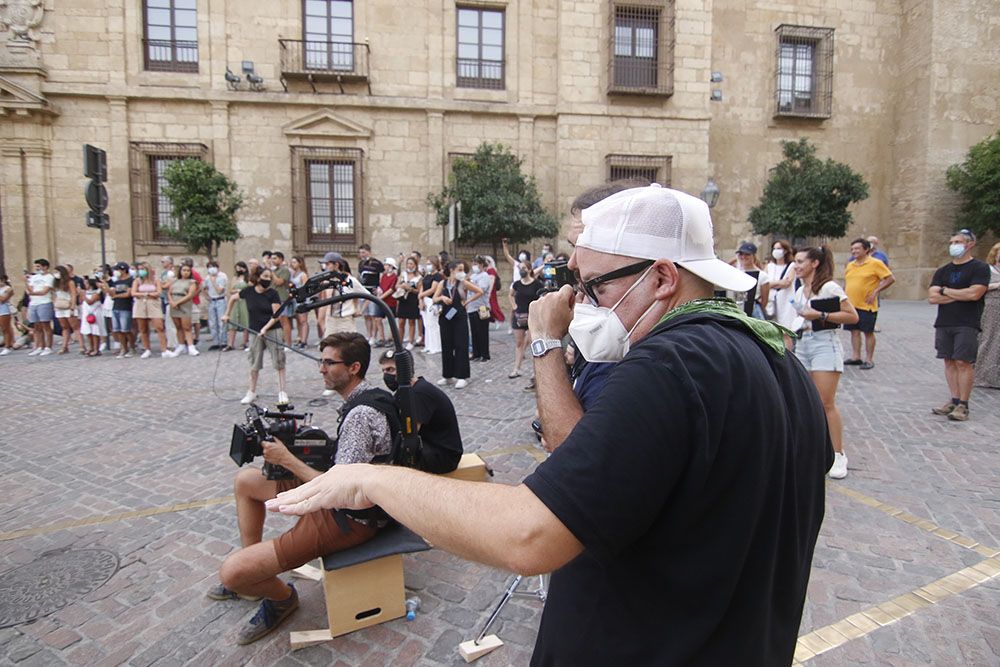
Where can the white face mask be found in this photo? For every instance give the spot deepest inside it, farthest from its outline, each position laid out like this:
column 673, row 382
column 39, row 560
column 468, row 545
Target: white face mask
column 460, row 275
column 212, row 271
column 117, row 274
column 522, row 257
column 476, row 269
column 778, row 253
column 956, row 250
column 598, row 333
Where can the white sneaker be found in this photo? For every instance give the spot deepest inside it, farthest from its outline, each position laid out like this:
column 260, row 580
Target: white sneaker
column 35, row 352
column 120, row 355
column 127, row 355
column 371, row 342
column 166, row 354
column 461, row 384
column 146, row 355
column 329, row 392
column 46, row 352
column 4, row 352
column 249, row 398
column 179, row 350
column 193, row 351
column 839, row 468
column 103, row 347
column 409, row 346
column 442, row 382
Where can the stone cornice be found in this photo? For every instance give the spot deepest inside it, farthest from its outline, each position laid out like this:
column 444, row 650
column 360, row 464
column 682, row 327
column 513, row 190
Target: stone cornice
column 16, row 100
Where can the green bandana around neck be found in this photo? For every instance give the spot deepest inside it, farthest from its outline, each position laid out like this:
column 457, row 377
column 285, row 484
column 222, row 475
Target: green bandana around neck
column 770, row 333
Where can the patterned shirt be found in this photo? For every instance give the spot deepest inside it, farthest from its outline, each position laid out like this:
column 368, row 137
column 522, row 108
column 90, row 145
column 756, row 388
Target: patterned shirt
column 364, row 434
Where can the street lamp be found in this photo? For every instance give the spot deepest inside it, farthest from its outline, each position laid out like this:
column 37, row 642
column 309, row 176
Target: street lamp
column 711, row 194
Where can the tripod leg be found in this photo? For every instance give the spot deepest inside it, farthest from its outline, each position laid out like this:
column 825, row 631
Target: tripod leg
column 503, row 602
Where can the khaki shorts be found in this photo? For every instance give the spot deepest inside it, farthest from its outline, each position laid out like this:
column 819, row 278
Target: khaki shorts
column 147, row 309
column 316, row 534
column 261, row 343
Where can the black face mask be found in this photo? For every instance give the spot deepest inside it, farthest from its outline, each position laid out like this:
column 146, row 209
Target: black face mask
column 264, row 283
column 391, row 381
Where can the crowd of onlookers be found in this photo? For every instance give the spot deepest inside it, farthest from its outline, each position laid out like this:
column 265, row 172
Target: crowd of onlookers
column 443, row 306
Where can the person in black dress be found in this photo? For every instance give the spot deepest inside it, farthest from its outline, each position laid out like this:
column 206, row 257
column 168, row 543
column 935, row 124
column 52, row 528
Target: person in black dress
column 523, row 291
column 407, row 307
column 451, row 294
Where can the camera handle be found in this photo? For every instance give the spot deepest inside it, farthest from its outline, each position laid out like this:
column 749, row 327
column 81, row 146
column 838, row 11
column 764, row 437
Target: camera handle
column 404, row 359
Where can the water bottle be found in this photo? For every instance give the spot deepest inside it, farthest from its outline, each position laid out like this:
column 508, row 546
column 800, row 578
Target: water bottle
column 412, row 605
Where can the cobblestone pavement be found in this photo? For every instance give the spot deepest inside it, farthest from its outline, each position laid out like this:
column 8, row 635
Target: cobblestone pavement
column 134, row 453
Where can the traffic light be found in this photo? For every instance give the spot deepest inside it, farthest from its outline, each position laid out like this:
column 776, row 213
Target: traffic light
column 95, row 167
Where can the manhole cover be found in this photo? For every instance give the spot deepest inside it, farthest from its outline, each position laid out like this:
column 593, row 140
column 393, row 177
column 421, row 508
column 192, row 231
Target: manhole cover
column 51, row 582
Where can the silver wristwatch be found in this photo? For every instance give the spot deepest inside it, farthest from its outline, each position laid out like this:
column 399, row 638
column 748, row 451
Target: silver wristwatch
column 540, row 346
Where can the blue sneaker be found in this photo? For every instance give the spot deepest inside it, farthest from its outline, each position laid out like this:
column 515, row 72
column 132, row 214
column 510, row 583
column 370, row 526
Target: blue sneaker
column 220, row 592
column 268, row 616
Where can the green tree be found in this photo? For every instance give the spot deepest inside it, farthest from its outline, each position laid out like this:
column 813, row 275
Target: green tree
column 807, row 197
column 977, row 180
column 498, row 201
column 205, row 202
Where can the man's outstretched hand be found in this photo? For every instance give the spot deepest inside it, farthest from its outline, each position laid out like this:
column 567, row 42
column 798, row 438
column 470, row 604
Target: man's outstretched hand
column 340, row 487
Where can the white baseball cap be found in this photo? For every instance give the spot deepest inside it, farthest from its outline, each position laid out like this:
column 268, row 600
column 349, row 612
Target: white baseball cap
column 655, row 222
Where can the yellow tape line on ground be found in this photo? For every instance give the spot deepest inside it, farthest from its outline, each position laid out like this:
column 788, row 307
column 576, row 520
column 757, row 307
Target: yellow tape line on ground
column 111, row 518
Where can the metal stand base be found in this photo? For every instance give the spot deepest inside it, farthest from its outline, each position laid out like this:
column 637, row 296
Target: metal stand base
column 540, row 593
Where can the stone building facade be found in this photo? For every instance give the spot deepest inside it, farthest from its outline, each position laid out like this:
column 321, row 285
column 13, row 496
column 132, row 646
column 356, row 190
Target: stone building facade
column 336, row 118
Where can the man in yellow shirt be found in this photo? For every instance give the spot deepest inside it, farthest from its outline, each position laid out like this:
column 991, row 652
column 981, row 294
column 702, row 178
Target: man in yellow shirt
column 864, row 278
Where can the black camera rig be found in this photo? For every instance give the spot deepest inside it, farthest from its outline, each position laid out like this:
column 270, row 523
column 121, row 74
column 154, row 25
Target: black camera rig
column 310, row 445
column 309, row 297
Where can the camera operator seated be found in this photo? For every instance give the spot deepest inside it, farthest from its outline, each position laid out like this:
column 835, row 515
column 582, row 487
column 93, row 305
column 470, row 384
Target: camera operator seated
column 437, row 423
column 364, row 433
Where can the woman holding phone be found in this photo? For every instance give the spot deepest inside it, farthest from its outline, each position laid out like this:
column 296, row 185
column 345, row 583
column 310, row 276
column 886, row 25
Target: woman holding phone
column 822, row 307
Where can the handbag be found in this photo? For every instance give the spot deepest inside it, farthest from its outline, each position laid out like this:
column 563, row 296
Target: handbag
column 521, row 319
column 91, row 319
column 62, row 304
column 484, row 312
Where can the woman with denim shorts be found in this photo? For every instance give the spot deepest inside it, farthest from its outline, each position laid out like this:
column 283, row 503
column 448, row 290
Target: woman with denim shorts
column 822, row 306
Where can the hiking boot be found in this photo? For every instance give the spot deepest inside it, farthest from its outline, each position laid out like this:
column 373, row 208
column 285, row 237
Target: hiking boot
column 220, row 592
column 944, row 409
column 960, row 413
column 268, row 616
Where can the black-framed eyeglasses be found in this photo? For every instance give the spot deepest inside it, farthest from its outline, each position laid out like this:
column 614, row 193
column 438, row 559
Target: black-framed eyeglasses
column 330, row 363
column 630, row 270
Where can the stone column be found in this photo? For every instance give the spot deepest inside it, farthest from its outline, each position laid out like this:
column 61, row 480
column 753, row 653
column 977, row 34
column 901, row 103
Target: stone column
column 222, row 159
column 436, row 165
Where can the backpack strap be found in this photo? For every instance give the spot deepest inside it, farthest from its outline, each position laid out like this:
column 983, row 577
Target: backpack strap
column 383, row 402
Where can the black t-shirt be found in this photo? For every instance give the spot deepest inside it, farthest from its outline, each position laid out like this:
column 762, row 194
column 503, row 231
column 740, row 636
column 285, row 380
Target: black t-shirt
column 370, row 272
column 259, row 309
column 960, row 276
column 696, row 485
column 438, row 422
column 429, row 280
column 525, row 294
column 122, row 286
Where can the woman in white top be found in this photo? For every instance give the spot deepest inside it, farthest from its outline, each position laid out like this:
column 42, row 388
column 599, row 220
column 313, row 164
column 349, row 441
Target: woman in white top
column 822, row 306
column 781, row 277
column 6, row 315
column 65, row 301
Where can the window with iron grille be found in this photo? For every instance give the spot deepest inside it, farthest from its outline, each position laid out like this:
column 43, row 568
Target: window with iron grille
column 642, row 48
column 326, row 198
column 171, row 35
column 804, row 74
column 329, row 34
column 153, row 220
column 480, row 48
column 648, row 168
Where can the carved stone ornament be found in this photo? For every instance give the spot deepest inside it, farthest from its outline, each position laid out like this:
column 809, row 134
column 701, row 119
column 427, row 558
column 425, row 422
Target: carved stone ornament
column 21, row 17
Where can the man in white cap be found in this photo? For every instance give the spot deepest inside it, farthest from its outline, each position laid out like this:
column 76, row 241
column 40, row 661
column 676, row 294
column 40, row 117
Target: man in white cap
column 679, row 517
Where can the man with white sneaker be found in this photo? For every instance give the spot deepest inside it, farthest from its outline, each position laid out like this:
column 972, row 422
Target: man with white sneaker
column 40, row 309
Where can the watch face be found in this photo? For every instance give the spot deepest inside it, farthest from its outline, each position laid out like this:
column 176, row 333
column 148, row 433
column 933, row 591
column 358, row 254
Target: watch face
column 537, row 348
